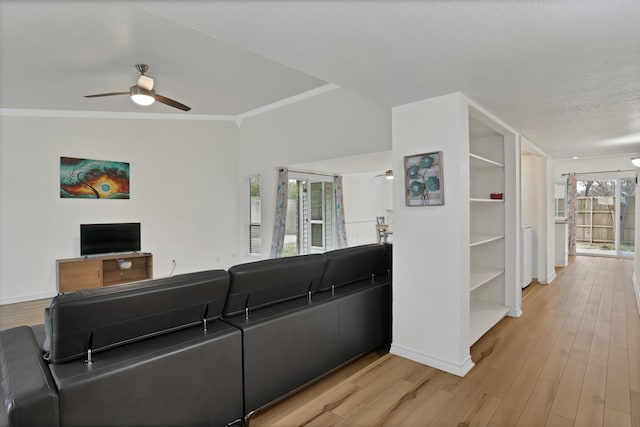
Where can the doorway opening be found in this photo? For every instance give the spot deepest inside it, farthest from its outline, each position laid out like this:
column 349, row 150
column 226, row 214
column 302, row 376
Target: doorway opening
column 310, row 222
column 605, row 213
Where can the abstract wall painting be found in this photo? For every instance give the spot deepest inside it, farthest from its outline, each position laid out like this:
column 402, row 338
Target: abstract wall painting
column 423, row 179
column 93, row 179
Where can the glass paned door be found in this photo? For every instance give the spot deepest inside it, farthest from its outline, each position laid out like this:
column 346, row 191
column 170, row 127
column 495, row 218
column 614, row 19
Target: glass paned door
column 309, row 226
column 596, row 214
column 320, row 221
column 605, row 210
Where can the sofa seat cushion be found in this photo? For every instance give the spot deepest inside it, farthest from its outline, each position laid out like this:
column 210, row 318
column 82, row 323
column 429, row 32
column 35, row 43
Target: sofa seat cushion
column 103, row 318
column 189, row 377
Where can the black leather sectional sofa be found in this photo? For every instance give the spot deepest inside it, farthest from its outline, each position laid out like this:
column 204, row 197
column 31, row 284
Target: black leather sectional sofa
column 206, row 348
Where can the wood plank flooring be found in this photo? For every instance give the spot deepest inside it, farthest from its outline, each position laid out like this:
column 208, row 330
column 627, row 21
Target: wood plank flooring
column 24, row 313
column 572, row 359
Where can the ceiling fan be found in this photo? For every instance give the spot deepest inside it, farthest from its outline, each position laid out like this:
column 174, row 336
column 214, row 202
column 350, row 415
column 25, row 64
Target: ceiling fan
column 142, row 93
column 388, row 174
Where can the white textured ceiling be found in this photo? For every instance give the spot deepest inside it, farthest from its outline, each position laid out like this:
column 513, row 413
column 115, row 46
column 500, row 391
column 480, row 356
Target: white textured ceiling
column 565, row 73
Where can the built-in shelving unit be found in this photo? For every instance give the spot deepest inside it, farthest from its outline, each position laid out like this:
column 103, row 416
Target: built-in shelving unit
column 481, row 275
column 482, row 315
column 455, row 265
column 489, row 231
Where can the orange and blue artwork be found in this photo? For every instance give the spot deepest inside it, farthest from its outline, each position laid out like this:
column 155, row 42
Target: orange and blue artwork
column 93, row 179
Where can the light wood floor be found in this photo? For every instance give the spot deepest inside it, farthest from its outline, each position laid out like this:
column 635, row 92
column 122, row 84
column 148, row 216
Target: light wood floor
column 24, row 313
column 572, row 359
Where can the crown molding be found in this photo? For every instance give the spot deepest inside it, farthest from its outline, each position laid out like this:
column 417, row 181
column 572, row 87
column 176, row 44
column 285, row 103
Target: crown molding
column 26, row 112
column 287, row 101
column 77, row 114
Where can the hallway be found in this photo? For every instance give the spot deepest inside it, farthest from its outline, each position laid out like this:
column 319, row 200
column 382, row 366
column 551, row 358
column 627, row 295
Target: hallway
column 572, row 359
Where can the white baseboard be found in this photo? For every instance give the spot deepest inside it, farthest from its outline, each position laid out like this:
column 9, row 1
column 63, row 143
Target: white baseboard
column 551, row 277
column 515, row 312
column 31, row 297
column 459, row 369
column 636, row 288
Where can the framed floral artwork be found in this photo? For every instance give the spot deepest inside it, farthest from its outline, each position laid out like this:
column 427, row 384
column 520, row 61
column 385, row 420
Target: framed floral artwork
column 423, row 179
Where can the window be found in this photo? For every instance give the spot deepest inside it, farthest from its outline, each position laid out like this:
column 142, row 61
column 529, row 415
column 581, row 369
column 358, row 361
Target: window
column 605, row 209
column 310, row 214
column 255, row 216
column 560, row 199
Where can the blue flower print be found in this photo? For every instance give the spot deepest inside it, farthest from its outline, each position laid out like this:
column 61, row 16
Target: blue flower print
column 426, row 162
column 415, row 188
column 413, row 171
column 432, row 183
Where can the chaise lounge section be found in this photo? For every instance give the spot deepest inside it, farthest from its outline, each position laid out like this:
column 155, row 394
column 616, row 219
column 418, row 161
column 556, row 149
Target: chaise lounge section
column 134, row 354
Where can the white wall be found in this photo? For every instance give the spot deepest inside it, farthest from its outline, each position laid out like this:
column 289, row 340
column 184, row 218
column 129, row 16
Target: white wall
column 430, row 310
column 636, row 283
column 365, row 197
column 182, row 191
column 332, row 125
column 534, row 208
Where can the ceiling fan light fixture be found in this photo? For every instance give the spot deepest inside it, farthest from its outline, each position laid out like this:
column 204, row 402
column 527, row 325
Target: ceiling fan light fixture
column 142, row 96
column 636, row 161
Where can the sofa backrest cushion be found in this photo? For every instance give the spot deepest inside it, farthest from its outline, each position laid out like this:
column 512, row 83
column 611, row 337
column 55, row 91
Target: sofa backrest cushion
column 263, row 283
column 103, row 318
column 354, row 264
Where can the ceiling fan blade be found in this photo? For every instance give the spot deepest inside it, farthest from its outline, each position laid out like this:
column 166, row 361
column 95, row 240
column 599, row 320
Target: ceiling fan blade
column 170, row 102
column 106, row 94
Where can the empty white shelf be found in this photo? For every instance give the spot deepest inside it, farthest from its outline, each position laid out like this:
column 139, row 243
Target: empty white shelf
column 482, row 275
column 479, row 162
column 479, row 200
column 483, row 316
column 479, row 239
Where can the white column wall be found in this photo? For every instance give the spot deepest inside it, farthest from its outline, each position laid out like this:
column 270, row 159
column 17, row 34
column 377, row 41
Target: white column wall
column 430, row 309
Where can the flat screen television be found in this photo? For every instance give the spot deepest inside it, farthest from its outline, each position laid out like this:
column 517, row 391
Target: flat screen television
column 109, row 238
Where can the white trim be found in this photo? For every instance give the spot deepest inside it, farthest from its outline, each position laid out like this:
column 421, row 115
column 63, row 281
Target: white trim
column 25, row 112
column 515, row 312
column 32, row 297
column 77, row 114
column 636, row 288
column 283, row 102
column 459, row 369
column 530, row 146
column 550, row 278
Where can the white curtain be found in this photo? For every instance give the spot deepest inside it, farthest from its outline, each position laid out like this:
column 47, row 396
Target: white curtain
column 277, row 242
column 573, row 217
column 339, row 214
